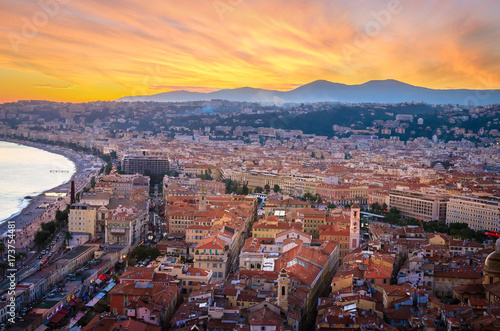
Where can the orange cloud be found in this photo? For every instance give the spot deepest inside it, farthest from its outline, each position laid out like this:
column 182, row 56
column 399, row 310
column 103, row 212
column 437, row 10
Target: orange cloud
column 103, row 50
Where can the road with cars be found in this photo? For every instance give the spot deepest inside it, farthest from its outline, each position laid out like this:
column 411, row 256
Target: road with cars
column 36, row 260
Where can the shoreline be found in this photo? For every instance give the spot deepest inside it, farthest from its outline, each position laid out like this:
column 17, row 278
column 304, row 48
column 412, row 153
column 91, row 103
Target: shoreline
column 25, row 217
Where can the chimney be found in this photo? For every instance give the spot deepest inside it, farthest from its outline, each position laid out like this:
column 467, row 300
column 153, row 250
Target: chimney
column 73, row 192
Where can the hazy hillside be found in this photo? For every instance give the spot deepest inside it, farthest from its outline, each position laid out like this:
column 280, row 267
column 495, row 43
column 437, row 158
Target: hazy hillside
column 381, row 91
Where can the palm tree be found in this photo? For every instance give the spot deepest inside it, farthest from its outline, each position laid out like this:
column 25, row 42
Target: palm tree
column 68, row 236
column 2, row 249
column 20, row 257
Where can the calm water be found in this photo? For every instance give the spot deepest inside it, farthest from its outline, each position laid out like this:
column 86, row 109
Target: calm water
column 26, row 171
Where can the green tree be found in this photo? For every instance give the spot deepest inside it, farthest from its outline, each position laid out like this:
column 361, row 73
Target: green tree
column 322, row 157
column 267, row 188
column 244, row 189
column 141, row 253
column 276, row 188
column 313, row 155
column 411, row 221
column 92, row 182
column 68, row 236
column 259, row 189
column 375, row 206
column 394, row 210
column 51, row 226
column 206, row 175
column 228, row 183
column 481, row 236
column 62, row 216
column 19, row 257
column 108, row 168
column 41, row 238
column 393, row 216
column 317, row 197
column 331, row 206
column 384, row 206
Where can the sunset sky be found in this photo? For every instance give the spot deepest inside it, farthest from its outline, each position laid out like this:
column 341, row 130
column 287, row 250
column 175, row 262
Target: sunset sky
column 71, row 50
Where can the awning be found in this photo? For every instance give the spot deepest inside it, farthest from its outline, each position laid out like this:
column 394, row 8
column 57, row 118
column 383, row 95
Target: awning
column 96, row 299
column 42, row 328
column 109, row 287
column 73, row 302
column 58, row 317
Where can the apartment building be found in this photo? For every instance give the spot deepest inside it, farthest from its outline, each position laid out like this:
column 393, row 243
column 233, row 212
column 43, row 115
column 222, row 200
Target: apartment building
column 190, row 279
column 312, row 219
column 271, row 226
column 121, row 186
column 295, row 185
column 126, row 226
column 196, row 233
column 141, row 164
column 212, row 254
column 478, row 213
column 210, row 186
column 287, row 205
column 423, row 206
column 82, row 219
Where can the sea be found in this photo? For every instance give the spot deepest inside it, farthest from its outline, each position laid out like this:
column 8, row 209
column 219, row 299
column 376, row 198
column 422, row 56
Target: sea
column 26, row 171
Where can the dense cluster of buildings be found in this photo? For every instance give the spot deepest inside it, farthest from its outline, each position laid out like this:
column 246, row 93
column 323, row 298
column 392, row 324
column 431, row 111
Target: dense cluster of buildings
column 115, row 210
column 267, row 229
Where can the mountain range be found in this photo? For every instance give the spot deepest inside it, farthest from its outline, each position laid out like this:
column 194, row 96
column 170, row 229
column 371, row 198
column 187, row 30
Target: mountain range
column 376, row 91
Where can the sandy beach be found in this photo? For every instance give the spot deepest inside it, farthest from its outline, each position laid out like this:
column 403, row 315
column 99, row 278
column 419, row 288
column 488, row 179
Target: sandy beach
column 29, row 219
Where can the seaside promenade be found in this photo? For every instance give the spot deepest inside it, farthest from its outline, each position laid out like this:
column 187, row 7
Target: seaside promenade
column 43, row 208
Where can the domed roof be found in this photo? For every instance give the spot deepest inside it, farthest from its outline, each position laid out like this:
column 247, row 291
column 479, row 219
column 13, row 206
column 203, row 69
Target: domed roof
column 492, row 262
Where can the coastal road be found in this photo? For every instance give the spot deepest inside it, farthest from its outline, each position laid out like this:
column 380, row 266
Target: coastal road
column 32, row 264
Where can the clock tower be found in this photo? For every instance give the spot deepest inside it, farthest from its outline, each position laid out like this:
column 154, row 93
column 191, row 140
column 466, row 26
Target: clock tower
column 354, row 227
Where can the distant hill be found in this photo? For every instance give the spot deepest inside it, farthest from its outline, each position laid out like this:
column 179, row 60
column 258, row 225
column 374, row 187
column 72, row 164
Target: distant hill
column 380, row 91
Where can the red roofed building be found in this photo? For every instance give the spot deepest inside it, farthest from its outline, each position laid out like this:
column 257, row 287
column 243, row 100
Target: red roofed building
column 125, row 226
column 153, row 303
column 212, row 253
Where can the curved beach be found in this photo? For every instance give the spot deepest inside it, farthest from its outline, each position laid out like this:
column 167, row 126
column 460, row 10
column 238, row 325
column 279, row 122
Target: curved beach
column 28, row 220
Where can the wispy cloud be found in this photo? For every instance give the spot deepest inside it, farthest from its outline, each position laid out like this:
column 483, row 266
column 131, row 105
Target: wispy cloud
column 102, row 48
column 184, row 88
column 53, row 86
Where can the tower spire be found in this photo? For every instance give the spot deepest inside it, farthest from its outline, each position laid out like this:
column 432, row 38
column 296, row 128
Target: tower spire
column 354, row 227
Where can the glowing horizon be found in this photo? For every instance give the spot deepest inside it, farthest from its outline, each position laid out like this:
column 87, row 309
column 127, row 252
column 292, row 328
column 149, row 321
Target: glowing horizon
column 64, row 50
